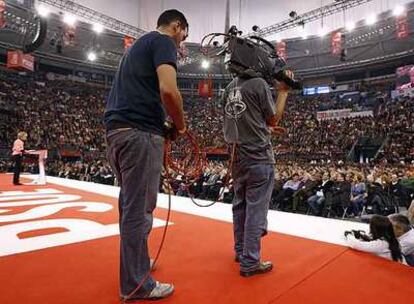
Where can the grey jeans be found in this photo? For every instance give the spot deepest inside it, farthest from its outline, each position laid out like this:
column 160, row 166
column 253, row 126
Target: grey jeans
column 253, row 186
column 136, row 158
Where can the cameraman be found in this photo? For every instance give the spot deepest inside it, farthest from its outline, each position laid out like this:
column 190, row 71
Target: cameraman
column 250, row 117
column 381, row 241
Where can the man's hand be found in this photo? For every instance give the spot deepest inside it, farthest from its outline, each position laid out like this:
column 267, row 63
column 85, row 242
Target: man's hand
column 282, row 86
column 171, row 132
column 276, row 130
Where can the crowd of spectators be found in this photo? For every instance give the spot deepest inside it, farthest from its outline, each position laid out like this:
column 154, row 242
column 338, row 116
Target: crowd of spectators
column 311, row 175
column 307, row 138
column 97, row 171
column 322, row 189
column 56, row 114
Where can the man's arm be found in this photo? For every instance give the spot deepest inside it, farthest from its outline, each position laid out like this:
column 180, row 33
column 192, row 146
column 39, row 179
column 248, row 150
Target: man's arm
column 282, row 90
column 170, row 95
column 274, row 120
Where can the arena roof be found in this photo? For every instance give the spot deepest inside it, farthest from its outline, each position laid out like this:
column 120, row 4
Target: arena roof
column 209, row 15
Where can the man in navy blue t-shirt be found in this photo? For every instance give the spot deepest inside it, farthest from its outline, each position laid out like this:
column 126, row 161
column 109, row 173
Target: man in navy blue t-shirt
column 143, row 93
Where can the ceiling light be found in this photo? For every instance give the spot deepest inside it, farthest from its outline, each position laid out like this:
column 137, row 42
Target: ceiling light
column 98, row 28
column 69, row 19
column 398, row 10
column 371, row 19
column 205, row 64
column 91, row 56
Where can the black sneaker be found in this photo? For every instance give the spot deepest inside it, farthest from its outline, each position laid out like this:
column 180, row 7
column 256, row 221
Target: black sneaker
column 263, row 267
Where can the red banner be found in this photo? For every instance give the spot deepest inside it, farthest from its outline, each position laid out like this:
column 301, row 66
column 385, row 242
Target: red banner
column 205, row 88
column 336, row 43
column 401, row 25
column 69, row 35
column 281, row 49
column 16, row 60
column 69, row 153
column 2, row 11
column 128, row 42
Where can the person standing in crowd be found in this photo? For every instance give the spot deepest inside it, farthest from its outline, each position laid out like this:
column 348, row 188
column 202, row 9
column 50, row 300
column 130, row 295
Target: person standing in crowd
column 250, row 117
column 405, row 234
column 17, row 155
column 145, row 87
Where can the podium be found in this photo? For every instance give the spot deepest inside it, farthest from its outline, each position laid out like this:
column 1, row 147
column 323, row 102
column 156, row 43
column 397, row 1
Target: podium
column 41, row 179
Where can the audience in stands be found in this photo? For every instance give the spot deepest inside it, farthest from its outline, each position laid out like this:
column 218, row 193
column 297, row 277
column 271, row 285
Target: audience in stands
column 65, row 118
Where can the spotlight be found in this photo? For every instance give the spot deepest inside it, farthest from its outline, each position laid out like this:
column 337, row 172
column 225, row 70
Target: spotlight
column 293, row 14
column 98, row 28
column 91, row 56
column 371, row 19
column 43, row 11
column 205, row 64
column 398, row 10
column 69, row 19
column 350, row 26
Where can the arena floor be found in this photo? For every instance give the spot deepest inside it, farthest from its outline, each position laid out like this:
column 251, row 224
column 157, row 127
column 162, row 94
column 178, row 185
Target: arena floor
column 59, row 244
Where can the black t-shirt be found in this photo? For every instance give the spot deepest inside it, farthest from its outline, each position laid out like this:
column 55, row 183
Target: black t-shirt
column 134, row 99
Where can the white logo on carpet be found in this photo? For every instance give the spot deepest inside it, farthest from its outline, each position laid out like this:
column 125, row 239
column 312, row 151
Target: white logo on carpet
column 51, row 202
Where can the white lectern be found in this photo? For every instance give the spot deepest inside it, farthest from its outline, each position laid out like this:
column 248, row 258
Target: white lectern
column 41, row 179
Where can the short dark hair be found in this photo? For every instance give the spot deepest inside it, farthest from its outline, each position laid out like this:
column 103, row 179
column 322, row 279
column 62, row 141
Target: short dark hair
column 172, row 15
column 401, row 220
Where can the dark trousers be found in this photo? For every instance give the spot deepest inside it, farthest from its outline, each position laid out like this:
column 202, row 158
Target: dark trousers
column 17, row 168
column 316, row 204
column 136, row 158
column 253, row 186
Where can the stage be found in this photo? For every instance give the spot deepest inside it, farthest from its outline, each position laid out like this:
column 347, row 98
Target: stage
column 59, row 244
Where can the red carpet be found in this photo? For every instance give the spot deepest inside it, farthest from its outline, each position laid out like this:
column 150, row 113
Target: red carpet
column 198, row 259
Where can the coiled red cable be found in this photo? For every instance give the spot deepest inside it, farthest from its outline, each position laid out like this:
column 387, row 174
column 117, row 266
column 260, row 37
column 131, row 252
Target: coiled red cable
column 185, row 157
